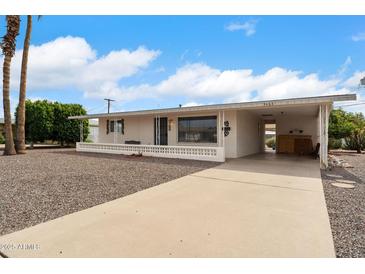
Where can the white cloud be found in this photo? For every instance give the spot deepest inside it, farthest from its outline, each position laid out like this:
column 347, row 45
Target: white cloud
column 345, row 66
column 354, row 80
column 200, row 81
column 71, row 62
column 183, row 55
column 249, row 27
column 358, row 37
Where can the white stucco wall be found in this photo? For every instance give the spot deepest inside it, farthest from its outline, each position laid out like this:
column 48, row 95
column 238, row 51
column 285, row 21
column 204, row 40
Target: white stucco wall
column 230, row 141
column 142, row 129
column 249, row 133
column 309, row 125
column 243, row 138
column 135, row 128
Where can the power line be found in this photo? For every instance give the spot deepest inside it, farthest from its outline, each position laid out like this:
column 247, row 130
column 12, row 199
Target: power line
column 350, row 105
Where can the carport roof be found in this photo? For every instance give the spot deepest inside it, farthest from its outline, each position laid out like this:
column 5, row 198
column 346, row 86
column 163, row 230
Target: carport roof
column 232, row 106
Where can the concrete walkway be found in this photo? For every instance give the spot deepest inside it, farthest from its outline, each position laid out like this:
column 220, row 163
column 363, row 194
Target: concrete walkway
column 260, row 206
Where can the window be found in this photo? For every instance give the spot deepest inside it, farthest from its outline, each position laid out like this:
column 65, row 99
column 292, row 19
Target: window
column 197, row 129
column 117, row 126
column 111, row 126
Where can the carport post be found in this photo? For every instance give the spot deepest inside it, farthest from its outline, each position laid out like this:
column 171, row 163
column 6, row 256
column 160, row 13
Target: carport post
column 223, row 129
column 323, row 125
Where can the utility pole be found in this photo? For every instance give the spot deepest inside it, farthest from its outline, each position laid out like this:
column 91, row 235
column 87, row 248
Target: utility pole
column 109, row 100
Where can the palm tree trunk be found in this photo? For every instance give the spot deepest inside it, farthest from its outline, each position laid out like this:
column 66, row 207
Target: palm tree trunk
column 9, row 142
column 20, row 130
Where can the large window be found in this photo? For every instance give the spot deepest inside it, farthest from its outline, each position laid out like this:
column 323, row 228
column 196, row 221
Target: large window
column 197, row 129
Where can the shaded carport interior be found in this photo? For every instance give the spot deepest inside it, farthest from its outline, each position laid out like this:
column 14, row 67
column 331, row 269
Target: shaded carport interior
column 310, row 119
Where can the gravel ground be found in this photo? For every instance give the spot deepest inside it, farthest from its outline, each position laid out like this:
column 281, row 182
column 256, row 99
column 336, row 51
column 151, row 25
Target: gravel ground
column 50, row 183
column 346, row 207
column 354, row 159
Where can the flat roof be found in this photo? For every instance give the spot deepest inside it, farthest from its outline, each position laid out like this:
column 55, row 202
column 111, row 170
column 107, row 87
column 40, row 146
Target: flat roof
column 229, row 106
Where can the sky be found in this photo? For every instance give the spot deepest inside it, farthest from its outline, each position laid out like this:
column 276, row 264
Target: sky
column 147, row 62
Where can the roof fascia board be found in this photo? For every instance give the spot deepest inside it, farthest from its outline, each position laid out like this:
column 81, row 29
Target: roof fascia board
column 230, row 106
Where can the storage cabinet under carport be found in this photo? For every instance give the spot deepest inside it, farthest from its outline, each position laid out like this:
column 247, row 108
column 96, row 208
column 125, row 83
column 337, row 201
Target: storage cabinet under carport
column 295, row 144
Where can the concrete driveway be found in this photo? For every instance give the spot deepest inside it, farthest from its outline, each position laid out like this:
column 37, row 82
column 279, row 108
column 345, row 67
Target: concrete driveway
column 259, row 206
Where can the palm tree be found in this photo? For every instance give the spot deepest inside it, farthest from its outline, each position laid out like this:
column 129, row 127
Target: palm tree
column 20, row 117
column 8, row 46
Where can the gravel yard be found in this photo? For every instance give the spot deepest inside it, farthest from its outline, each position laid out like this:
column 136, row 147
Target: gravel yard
column 48, row 183
column 346, row 206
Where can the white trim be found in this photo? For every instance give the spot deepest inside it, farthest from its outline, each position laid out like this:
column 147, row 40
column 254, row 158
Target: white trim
column 232, row 106
column 222, row 129
column 215, row 154
column 323, row 129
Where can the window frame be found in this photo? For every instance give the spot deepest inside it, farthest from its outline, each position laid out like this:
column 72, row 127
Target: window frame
column 199, row 117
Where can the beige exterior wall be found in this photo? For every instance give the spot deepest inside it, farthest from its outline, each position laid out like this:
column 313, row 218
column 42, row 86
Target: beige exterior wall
column 135, row 128
column 230, row 141
column 246, row 136
column 142, row 129
column 249, row 133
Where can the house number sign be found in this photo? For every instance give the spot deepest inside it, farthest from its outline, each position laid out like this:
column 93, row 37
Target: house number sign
column 226, row 128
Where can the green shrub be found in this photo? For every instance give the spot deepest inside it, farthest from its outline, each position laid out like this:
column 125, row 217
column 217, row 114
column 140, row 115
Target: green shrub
column 48, row 121
column 271, row 142
column 355, row 143
column 334, row 143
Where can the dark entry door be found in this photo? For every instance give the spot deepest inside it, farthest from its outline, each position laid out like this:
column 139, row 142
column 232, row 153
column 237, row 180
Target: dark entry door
column 160, row 131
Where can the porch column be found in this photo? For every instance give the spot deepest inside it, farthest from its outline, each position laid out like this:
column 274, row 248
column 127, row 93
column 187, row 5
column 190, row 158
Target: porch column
column 81, row 131
column 323, row 152
column 115, row 131
column 222, row 130
column 157, row 129
column 219, row 128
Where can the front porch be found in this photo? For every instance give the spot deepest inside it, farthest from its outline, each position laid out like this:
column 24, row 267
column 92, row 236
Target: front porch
column 215, row 154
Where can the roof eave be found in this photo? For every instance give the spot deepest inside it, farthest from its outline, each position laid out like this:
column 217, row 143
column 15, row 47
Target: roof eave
column 230, row 106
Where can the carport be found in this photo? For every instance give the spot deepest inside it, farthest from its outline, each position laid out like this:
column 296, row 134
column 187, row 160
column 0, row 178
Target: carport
column 301, row 126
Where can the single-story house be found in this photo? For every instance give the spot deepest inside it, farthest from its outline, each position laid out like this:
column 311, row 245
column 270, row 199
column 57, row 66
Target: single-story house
column 216, row 132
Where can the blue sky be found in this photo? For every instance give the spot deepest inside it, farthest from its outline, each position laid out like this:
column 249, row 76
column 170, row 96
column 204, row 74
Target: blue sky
column 150, row 61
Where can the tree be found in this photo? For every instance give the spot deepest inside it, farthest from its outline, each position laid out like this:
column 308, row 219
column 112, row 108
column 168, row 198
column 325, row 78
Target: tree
column 65, row 130
column 20, row 121
column 340, row 124
column 356, row 140
column 46, row 120
column 38, row 120
column 8, row 46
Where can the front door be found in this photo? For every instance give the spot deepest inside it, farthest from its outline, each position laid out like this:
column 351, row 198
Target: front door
column 160, row 131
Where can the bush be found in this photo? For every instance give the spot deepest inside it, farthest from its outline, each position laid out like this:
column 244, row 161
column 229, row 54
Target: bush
column 355, row 143
column 45, row 120
column 2, row 139
column 271, row 142
column 334, row 143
